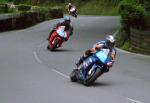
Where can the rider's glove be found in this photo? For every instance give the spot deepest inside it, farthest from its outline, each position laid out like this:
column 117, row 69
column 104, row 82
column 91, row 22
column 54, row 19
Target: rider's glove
column 110, row 64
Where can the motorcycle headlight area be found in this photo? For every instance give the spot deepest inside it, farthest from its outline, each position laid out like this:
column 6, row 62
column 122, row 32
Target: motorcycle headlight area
column 62, row 34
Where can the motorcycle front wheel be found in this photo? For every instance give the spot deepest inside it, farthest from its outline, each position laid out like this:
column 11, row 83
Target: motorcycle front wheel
column 54, row 46
column 90, row 78
column 73, row 76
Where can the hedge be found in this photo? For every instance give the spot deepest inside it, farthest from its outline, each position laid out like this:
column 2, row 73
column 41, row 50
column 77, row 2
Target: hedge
column 24, row 7
column 25, row 19
column 56, row 12
column 132, row 14
column 3, row 8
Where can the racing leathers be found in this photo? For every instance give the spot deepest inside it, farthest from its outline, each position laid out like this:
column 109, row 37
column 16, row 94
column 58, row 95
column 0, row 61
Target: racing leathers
column 102, row 45
column 68, row 27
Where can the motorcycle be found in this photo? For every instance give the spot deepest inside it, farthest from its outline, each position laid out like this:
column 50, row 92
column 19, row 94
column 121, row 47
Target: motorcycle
column 73, row 12
column 57, row 37
column 94, row 71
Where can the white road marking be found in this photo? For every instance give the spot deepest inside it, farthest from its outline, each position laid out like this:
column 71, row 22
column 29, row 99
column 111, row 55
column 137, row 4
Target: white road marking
column 36, row 57
column 132, row 100
column 64, row 75
column 42, row 44
column 115, row 33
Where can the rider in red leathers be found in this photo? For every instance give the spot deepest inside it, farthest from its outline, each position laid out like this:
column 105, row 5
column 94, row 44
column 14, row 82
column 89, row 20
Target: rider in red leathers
column 68, row 27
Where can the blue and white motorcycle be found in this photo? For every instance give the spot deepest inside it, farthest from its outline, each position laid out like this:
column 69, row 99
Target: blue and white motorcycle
column 97, row 66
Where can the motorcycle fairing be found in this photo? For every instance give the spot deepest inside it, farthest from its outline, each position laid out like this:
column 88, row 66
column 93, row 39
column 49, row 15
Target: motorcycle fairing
column 61, row 32
column 103, row 57
column 72, row 9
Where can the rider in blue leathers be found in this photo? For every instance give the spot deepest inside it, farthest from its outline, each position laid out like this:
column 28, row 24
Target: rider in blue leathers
column 106, row 46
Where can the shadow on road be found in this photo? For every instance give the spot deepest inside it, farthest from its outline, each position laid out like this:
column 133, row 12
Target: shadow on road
column 64, row 50
column 102, row 84
column 96, row 84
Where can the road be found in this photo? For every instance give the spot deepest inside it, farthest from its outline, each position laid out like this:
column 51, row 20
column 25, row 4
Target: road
column 29, row 73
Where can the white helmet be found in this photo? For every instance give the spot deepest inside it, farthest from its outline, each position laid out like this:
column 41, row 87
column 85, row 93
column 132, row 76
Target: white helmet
column 110, row 40
column 69, row 4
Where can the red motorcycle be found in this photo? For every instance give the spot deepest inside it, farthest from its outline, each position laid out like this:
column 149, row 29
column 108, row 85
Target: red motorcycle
column 57, row 37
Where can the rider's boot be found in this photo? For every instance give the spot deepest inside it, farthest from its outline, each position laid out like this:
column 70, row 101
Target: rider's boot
column 80, row 61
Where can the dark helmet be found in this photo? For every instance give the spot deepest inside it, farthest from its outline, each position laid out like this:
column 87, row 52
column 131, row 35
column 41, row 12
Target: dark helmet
column 110, row 40
column 67, row 19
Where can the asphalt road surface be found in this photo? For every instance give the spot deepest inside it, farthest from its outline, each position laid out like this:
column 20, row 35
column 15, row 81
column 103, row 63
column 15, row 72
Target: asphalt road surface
column 29, row 73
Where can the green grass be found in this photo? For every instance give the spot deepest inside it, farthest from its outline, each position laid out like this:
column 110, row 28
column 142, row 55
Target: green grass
column 98, row 8
column 3, row 1
column 91, row 7
column 126, row 46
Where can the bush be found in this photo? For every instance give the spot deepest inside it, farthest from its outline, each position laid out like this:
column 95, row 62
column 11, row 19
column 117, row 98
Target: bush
column 121, row 37
column 126, row 46
column 24, row 7
column 47, row 12
column 19, row 1
column 147, row 5
column 56, row 12
column 3, row 8
column 132, row 14
column 147, row 20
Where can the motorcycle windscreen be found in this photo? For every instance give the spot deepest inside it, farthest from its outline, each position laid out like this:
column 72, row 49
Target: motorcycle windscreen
column 103, row 57
column 72, row 9
column 61, row 32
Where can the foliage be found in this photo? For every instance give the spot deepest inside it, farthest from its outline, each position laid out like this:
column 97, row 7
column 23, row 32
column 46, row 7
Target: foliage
column 3, row 8
column 126, row 46
column 4, row 1
column 56, row 12
column 132, row 14
column 20, row 1
column 147, row 20
column 147, row 5
column 135, row 14
column 23, row 7
column 121, row 37
column 96, row 7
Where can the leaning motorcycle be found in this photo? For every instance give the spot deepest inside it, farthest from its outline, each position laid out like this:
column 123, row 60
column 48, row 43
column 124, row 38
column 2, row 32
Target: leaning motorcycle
column 57, row 38
column 94, row 71
column 73, row 12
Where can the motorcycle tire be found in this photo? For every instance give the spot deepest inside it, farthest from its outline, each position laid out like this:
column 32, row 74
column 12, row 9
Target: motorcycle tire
column 92, row 77
column 73, row 74
column 54, row 46
column 75, row 15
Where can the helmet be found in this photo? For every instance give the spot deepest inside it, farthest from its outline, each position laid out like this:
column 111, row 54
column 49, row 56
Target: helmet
column 67, row 19
column 110, row 40
column 69, row 4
